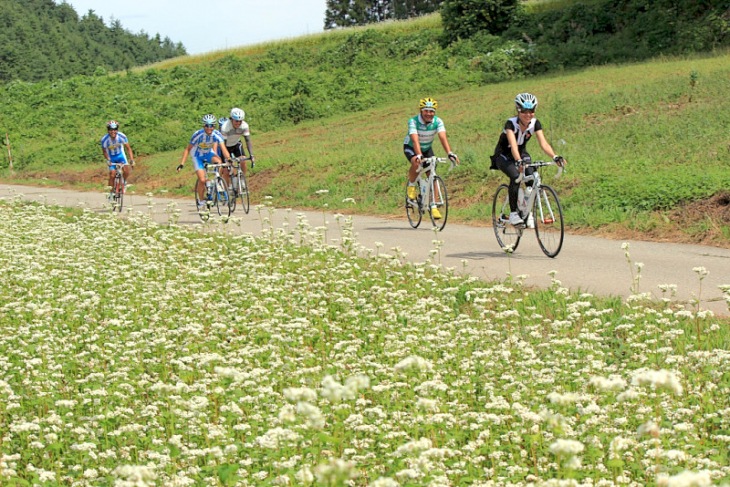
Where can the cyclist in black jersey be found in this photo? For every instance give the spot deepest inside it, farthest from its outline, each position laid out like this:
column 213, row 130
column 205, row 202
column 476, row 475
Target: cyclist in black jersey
column 510, row 152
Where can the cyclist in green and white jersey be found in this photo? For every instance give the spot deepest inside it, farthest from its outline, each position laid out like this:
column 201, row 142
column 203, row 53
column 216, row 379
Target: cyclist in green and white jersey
column 422, row 130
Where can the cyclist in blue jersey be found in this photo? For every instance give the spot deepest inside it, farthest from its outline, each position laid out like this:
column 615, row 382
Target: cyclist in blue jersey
column 422, row 130
column 510, row 152
column 203, row 145
column 112, row 146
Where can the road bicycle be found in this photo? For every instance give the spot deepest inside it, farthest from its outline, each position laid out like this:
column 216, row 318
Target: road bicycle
column 431, row 194
column 539, row 206
column 239, row 185
column 116, row 193
column 215, row 195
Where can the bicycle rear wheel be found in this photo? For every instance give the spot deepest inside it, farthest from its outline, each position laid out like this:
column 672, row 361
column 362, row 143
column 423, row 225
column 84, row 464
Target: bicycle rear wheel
column 508, row 237
column 549, row 226
column 413, row 208
column 439, row 201
column 118, row 193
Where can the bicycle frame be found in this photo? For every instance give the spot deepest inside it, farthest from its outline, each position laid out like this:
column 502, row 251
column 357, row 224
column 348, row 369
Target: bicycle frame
column 215, row 193
column 433, row 196
column 542, row 212
column 536, row 186
column 426, row 173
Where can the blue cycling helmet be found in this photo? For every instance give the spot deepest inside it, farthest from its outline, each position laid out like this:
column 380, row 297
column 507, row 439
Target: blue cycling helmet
column 525, row 101
column 209, row 119
column 221, row 121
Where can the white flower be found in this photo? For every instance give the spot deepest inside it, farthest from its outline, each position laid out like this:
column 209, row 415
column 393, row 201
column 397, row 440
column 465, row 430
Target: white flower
column 657, row 379
column 685, row 479
column 134, row 475
column 563, row 447
column 607, row 384
column 413, row 362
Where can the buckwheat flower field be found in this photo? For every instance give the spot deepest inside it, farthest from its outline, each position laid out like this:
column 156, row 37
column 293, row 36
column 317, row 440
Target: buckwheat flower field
column 139, row 354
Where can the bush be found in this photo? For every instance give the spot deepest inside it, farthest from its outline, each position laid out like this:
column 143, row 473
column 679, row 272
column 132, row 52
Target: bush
column 464, row 18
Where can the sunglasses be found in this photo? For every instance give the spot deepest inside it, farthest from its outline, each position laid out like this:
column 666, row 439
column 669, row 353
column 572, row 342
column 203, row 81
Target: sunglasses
column 209, row 126
column 527, row 111
column 111, row 129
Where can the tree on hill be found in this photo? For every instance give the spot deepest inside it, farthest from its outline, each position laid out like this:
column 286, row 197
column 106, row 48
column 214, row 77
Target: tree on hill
column 464, row 18
column 347, row 13
column 42, row 40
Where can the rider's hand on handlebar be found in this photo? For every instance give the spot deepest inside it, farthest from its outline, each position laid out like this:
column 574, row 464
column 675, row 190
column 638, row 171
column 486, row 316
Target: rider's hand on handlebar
column 559, row 161
column 454, row 158
column 179, row 167
column 131, row 163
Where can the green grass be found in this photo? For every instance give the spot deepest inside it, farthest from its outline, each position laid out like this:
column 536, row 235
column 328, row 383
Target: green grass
column 138, row 352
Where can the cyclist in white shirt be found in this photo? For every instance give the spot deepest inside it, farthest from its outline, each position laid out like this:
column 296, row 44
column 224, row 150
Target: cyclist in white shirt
column 232, row 130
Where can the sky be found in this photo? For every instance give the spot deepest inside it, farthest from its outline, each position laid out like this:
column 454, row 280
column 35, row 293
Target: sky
column 204, row 27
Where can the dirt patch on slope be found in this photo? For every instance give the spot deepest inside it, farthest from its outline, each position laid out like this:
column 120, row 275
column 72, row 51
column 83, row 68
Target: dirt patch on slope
column 702, row 222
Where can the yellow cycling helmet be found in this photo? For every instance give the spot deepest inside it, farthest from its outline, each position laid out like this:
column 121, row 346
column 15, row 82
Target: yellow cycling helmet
column 428, row 103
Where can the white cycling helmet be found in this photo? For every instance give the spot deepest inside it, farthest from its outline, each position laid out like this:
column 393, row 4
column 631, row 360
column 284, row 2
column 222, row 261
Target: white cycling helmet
column 221, row 121
column 209, row 119
column 237, row 114
column 526, row 101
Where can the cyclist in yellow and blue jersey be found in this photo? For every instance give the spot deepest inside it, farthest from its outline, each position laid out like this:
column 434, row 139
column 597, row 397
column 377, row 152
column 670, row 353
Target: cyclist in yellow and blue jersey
column 112, row 146
column 422, row 130
column 203, row 146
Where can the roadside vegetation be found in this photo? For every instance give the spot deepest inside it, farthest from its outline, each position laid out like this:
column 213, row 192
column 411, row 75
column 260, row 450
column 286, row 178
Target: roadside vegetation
column 327, row 364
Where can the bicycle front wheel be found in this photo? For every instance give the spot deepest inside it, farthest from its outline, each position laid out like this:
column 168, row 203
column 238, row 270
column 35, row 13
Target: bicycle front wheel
column 222, row 201
column 118, row 193
column 242, row 188
column 548, row 216
column 413, row 208
column 438, row 208
column 508, row 237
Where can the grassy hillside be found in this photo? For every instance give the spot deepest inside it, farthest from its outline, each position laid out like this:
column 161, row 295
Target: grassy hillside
column 647, row 143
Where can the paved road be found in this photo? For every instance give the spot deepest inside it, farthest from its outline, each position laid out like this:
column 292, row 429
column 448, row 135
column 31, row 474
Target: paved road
column 587, row 264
